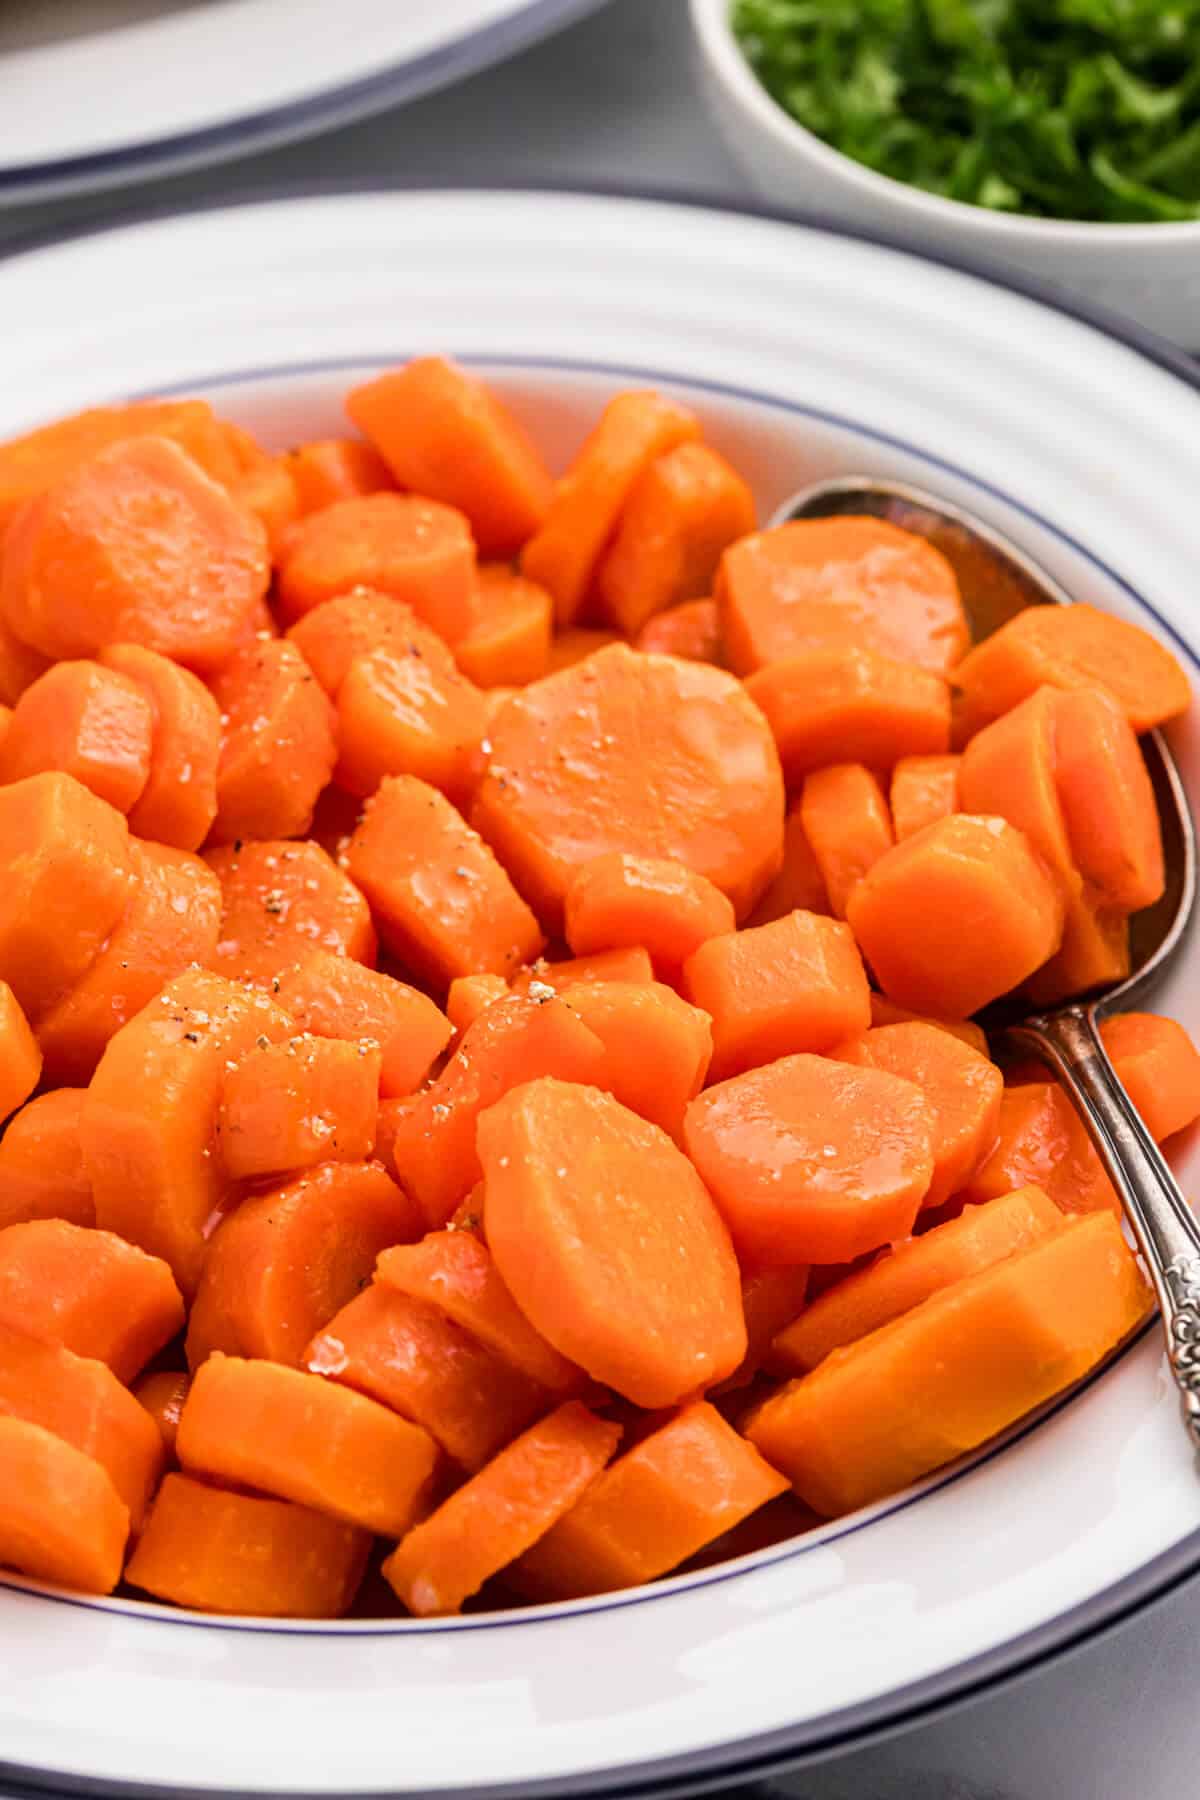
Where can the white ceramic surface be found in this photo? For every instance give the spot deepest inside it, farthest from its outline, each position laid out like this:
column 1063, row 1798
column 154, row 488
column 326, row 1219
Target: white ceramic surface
column 806, row 354
column 1149, row 273
column 100, row 92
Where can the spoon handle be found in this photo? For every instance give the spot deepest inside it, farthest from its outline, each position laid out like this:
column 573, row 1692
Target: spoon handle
column 1162, row 1221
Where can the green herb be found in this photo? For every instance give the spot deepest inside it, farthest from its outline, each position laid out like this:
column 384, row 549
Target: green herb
column 1084, row 109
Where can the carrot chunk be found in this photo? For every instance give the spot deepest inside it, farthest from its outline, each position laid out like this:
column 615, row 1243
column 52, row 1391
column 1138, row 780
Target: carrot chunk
column 442, row 902
column 334, row 634
column 799, row 886
column 568, row 777
column 908, row 915
column 138, row 546
column 289, row 1106
column 657, row 1046
column 89, row 1291
column 178, row 803
column 957, row 1369
column 42, row 1175
column 278, row 745
column 847, row 823
column 333, row 997
column 286, row 1261
column 283, row 901
column 886, row 1012
column 630, row 964
column 1095, row 952
column 685, row 1484
column 850, row 705
column 509, row 643
column 796, row 984
column 408, row 711
column 502, row 1511
column 88, row 721
column 635, row 429
column 238, row 1553
column 841, row 582
column 1107, row 800
column 298, row 1437
column 1041, row 1142
column 1009, row 770
column 61, row 1518
column 162, row 1394
column 20, row 1054
column 924, row 789
column 609, row 1243
column 1157, row 1062
column 692, row 631
column 331, row 469
column 471, row 995
column 618, row 901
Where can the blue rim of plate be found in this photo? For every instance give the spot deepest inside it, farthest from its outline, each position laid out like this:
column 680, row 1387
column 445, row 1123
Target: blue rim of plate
column 250, row 132
column 767, row 1754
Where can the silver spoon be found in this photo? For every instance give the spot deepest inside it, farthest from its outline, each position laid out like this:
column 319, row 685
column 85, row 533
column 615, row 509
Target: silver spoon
column 997, row 580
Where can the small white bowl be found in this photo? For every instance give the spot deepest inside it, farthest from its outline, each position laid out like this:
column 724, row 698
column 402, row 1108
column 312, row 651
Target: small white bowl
column 1150, row 273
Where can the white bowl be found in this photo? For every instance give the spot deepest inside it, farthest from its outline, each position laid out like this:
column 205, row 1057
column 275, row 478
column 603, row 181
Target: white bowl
column 1149, row 273
column 806, row 354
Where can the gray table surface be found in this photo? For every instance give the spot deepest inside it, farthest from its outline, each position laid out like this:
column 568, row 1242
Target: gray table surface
column 613, row 102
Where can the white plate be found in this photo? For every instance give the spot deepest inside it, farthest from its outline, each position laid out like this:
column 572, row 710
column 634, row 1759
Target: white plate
column 806, row 353
column 99, row 92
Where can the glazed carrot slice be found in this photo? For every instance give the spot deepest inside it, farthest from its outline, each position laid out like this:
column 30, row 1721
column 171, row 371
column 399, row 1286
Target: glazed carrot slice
column 20, row 665
column 334, row 634
column 576, row 643
column 289, row 1106
column 684, row 1485
column 286, row 1261
column 762, row 1143
column 138, row 546
column 278, row 744
column 907, row 915
column 406, row 1354
column 1107, row 800
column 1009, row 770
column 643, row 1290
column 1041, row 1142
column 957, row 1369
column 692, row 631
column 847, row 823
column 281, row 902
column 771, row 1299
column 416, row 550
column 61, row 1519
column 331, row 469
column 149, row 1120
column 163, row 1394
column 81, row 1401
column 90, row 722
column 501, row 1512
column 408, row 711
column 1155, row 1058
column 442, row 902
column 172, row 921
column 924, row 789
column 509, row 643
column 334, row 997
column 631, row 964
column 796, row 984
column 1094, row 953
column 178, row 803
column 910, row 1272
column 799, row 886
column 20, row 1054
column 657, row 1046
column 847, row 704
column 567, row 778
column 298, row 1437
column 1075, row 647
column 41, row 1162
column 634, row 430
column 238, row 1553
column 962, row 1090
column 430, row 1139
column 469, row 995
column 682, row 513
column 886, row 1012
column 618, row 901
column 66, row 876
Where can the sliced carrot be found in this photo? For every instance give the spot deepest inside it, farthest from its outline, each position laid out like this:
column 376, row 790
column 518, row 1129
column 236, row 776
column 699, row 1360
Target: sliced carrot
column 281, row 902
column 42, row 1175
column 178, row 803
column 298, row 1437
column 509, row 643
column 89, row 1291
column 886, row 1012
column 414, row 549
column 684, row 1485
column 692, row 631
column 336, row 633
column 406, row 710
column 618, row 901
column 149, row 1120
column 61, row 1519
column 163, row 1394
column 334, row 997
column 839, row 582
column 576, row 643
column 682, row 513
column 278, row 744
column 286, row 1261
column 443, row 433
column 611, row 1247
column 910, row 1272
column 1157, row 1062
column 408, row 1355
column 20, row 1054
column 1041, row 1142
column 441, row 900
column 290, row 1106
column 172, row 921
column 796, row 984
column 430, row 1140
column 331, row 469
column 1008, row 770
column 1107, row 800
column 657, row 1046
column 66, row 876
column 771, row 1299
column 848, row 825
column 20, row 665
column 799, row 885
column 908, row 915
column 567, row 779
column 1094, row 953
column 90, row 722
column 851, row 705
column 138, row 546
column 924, row 788
column 631, row 964
column 635, row 429
column 957, row 1369
column 219, row 1552
column 470, row 995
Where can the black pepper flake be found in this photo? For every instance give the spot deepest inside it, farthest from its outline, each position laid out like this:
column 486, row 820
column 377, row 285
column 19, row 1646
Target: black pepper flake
column 193, row 1037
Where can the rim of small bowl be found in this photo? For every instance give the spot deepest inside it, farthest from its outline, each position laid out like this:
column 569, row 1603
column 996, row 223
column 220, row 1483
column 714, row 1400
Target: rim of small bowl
column 713, row 29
